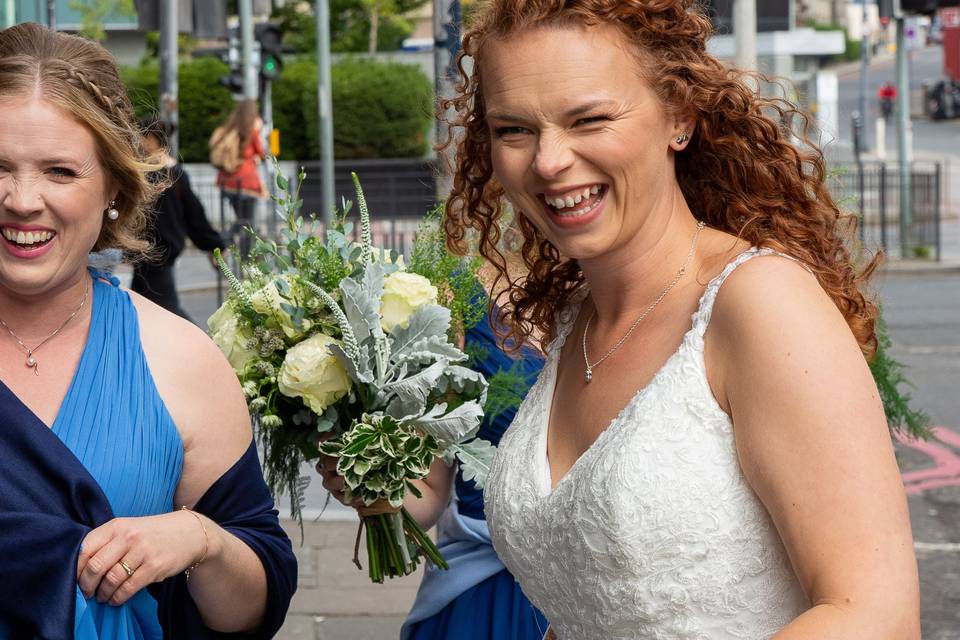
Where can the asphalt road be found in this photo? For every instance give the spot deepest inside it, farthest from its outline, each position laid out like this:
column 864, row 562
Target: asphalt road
column 923, row 314
column 925, row 66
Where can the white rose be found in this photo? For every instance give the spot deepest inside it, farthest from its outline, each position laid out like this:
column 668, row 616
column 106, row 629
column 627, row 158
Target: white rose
column 226, row 333
column 267, row 301
column 404, row 293
column 311, row 372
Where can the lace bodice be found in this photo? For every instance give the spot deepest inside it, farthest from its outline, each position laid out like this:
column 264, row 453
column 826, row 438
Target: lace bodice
column 654, row 532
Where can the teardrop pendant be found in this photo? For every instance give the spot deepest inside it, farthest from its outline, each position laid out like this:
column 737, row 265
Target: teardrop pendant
column 31, row 361
column 589, row 375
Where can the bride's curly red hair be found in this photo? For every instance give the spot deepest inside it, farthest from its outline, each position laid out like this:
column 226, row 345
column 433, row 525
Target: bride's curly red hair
column 741, row 173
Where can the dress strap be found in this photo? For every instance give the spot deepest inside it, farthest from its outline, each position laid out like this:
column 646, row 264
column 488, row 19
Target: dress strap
column 565, row 318
column 701, row 319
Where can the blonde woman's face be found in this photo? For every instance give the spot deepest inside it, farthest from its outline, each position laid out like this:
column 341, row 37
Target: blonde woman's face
column 579, row 141
column 53, row 192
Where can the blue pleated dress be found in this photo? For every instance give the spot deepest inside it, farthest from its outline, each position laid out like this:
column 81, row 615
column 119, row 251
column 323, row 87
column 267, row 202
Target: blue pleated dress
column 114, row 421
column 476, row 598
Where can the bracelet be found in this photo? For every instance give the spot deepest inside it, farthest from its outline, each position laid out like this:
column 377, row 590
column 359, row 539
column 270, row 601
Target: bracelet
column 206, row 542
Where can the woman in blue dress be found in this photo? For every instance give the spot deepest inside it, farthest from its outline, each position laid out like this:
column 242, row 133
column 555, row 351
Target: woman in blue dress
column 476, row 598
column 131, row 504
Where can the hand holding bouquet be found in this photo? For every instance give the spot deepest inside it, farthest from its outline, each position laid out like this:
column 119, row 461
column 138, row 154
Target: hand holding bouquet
column 342, row 349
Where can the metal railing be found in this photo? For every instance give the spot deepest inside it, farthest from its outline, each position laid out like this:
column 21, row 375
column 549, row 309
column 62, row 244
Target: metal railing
column 874, row 197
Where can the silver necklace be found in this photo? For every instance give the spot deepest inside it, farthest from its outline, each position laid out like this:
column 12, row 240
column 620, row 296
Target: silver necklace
column 588, row 374
column 31, row 360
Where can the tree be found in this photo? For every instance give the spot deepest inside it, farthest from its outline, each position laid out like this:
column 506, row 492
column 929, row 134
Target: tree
column 355, row 25
column 94, row 12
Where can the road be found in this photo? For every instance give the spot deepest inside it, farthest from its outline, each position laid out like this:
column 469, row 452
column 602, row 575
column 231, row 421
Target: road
column 926, row 65
column 923, row 314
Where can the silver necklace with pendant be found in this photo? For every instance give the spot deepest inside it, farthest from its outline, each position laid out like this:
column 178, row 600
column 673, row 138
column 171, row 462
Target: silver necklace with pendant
column 588, row 374
column 31, row 361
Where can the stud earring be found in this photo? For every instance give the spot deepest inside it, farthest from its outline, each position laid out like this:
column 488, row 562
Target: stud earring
column 112, row 212
column 682, row 138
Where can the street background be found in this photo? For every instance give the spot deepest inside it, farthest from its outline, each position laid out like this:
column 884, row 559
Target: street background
column 921, row 305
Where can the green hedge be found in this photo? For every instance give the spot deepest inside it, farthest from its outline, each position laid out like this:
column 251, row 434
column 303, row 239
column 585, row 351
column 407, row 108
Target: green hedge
column 380, row 110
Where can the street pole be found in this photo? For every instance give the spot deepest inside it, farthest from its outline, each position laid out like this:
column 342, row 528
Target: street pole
column 325, row 108
column 10, row 14
column 446, row 41
column 169, row 86
column 745, row 33
column 246, row 49
column 903, row 135
column 267, row 110
column 864, row 72
column 52, row 14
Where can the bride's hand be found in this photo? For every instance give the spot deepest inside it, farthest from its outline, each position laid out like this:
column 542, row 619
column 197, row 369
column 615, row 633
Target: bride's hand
column 333, row 481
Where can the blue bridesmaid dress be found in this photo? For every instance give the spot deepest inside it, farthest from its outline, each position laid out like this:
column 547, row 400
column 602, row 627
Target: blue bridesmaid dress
column 476, row 598
column 114, row 421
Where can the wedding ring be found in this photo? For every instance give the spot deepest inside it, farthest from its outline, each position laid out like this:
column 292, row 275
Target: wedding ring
column 126, row 568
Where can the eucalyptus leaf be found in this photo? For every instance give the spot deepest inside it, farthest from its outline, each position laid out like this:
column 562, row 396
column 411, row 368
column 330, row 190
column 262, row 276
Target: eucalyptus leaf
column 361, row 309
column 450, row 428
column 429, row 350
column 430, row 320
column 417, row 387
column 475, row 458
column 360, row 372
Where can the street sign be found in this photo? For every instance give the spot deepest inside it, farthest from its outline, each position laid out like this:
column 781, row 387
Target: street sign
column 912, row 33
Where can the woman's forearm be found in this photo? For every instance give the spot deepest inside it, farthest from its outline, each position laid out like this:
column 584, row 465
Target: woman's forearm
column 230, row 573
column 834, row 621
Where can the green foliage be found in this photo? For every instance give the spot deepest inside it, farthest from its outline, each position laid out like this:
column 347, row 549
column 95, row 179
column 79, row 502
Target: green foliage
column 143, row 87
column 380, row 109
column 889, row 376
column 94, row 12
column 431, row 259
column 185, row 46
column 851, row 50
column 349, row 25
column 294, row 104
column 204, row 103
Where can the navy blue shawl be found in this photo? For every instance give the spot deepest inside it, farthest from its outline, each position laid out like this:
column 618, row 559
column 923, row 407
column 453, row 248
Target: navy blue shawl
column 49, row 502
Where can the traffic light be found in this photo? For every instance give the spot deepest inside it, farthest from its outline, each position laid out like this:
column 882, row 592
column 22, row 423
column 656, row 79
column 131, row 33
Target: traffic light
column 928, row 7
column 234, row 79
column 271, row 49
column 885, row 8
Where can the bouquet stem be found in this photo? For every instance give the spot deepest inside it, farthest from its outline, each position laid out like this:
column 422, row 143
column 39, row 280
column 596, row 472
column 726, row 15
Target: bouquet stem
column 395, row 545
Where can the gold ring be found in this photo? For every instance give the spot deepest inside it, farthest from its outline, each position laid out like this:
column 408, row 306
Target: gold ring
column 126, row 568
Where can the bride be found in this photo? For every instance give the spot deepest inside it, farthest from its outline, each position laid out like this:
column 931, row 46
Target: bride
column 705, row 453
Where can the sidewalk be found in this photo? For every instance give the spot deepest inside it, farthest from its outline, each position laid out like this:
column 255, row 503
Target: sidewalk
column 194, row 273
column 335, row 600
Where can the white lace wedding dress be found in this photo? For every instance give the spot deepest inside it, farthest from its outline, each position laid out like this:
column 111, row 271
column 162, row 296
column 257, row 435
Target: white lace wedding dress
column 653, row 533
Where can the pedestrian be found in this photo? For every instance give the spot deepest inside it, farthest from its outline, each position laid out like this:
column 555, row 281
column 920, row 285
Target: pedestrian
column 236, row 150
column 132, row 504
column 176, row 215
column 704, row 454
column 887, row 95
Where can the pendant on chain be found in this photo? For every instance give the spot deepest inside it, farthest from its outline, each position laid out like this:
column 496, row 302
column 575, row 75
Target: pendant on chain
column 589, row 374
column 32, row 363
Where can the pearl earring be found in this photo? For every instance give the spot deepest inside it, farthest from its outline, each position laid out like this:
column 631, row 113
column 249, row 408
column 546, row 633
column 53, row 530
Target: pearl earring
column 112, row 212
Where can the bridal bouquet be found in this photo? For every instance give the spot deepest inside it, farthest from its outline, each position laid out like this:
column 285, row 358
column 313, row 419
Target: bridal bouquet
column 344, row 350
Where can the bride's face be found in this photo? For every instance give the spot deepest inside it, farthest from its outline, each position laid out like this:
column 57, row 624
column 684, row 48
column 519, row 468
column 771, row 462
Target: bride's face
column 579, row 141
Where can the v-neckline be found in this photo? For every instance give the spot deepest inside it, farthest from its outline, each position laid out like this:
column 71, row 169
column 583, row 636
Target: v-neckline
column 548, row 485
column 84, row 355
